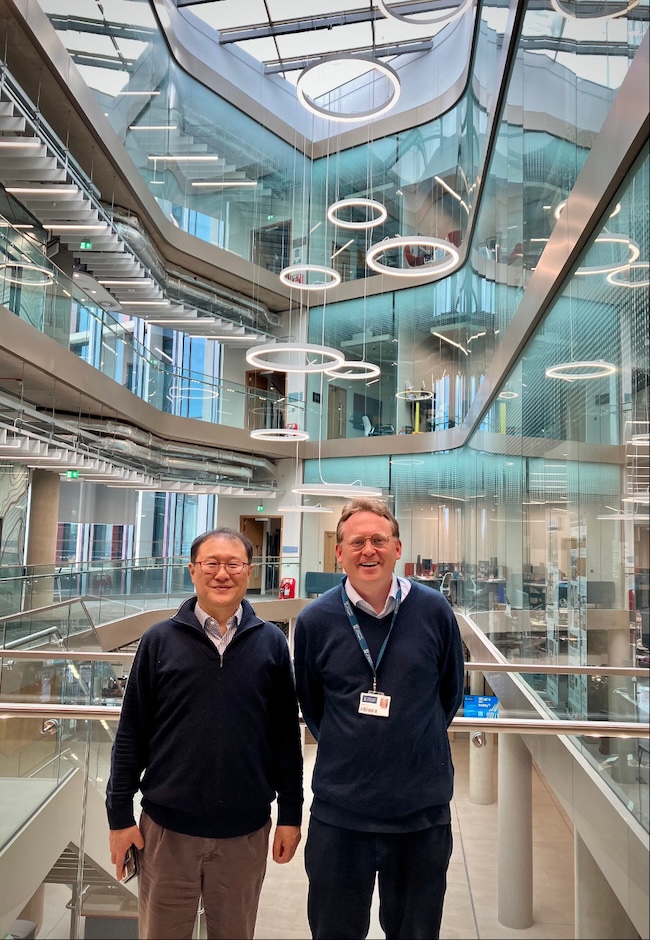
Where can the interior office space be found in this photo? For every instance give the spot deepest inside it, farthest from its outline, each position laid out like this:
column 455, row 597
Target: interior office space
column 246, row 275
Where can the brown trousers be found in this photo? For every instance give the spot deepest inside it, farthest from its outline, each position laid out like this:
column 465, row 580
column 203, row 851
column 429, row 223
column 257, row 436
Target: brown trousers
column 176, row 870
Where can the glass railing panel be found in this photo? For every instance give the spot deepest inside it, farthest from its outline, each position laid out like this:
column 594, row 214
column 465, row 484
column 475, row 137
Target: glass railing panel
column 55, row 626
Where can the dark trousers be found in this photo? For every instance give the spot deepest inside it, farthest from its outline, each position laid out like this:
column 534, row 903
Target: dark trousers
column 341, row 865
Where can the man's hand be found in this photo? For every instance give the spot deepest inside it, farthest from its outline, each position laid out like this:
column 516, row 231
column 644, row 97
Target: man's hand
column 120, row 841
column 285, row 843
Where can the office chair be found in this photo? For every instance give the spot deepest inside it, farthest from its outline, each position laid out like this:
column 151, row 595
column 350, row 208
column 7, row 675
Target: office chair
column 367, row 426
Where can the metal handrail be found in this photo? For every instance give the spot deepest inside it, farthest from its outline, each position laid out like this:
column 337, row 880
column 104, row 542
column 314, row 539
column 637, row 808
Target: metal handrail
column 624, row 729
column 73, row 655
column 542, row 668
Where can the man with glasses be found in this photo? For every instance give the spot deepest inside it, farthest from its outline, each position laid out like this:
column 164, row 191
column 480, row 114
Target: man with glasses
column 210, row 719
column 379, row 671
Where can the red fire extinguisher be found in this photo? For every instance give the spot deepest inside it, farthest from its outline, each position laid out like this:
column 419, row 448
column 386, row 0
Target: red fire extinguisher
column 287, row 588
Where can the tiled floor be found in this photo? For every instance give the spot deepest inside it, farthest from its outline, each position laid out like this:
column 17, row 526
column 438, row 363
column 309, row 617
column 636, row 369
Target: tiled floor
column 471, row 900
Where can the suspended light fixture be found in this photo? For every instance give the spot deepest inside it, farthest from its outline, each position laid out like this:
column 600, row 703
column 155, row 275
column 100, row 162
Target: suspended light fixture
column 441, row 16
column 570, row 14
column 420, row 268
column 305, row 509
column 346, row 490
column 357, row 203
column 385, row 70
column 633, row 248
column 614, row 276
column 279, row 434
column 297, row 357
column 354, row 370
column 288, row 276
column 37, row 275
column 565, row 370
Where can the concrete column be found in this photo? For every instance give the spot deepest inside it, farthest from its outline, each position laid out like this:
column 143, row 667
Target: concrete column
column 515, row 827
column 41, row 534
column 599, row 914
column 481, row 758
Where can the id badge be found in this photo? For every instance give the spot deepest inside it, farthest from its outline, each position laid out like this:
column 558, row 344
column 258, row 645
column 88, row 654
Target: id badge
column 374, row 703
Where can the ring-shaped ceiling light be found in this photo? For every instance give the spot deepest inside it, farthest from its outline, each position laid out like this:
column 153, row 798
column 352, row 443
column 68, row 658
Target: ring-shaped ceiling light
column 507, row 395
column 186, row 393
column 612, row 277
column 631, row 245
column 414, row 394
column 346, row 490
column 279, row 434
column 262, row 357
column 561, row 205
column 418, row 241
column 599, row 369
column 557, row 6
column 442, row 16
column 378, row 66
column 334, row 209
column 48, row 276
column 354, row 370
column 305, row 509
column 287, row 276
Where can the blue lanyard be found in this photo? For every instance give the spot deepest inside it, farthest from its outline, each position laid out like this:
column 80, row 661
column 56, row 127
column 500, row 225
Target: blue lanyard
column 354, row 623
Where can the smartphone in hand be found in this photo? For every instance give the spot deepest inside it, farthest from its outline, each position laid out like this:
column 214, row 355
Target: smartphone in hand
column 130, row 864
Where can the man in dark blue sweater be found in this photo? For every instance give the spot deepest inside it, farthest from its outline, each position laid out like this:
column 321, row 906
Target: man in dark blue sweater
column 379, row 671
column 211, row 718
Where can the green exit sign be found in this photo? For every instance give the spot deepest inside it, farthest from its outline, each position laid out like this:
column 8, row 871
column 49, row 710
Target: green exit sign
column 72, row 474
column 260, row 508
column 86, row 246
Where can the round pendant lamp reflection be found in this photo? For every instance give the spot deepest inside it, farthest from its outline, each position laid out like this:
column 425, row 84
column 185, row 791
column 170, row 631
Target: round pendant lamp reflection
column 346, row 490
column 354, row 370
column 292, row 277
column 442, row 16
column 561, row 8
column 580, row 369
column 279, row 434
column 36, row 274
column 419, row 265
column 380, row 67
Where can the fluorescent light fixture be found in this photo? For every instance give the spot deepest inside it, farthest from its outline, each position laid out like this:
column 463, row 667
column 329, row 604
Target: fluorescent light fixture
column 446, row 186
column 18, row 142
column 450, row 341
column 127, row 282
column 162, row 353
column 43, row 190
column 75, row 227
column 135, row 94
column 226, row 184
column 339, row 250
column 146, row 303
column 152, row 127
column 185, row 157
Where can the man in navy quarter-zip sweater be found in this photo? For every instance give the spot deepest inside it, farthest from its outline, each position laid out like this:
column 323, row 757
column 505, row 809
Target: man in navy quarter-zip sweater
column 209, row 734
column 379, row 672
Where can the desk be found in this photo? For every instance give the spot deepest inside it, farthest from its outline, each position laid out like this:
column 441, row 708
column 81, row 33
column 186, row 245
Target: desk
column 430, row 581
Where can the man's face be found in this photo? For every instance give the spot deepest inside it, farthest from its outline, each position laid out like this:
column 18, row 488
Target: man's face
column 368, row 568
column 221, row 589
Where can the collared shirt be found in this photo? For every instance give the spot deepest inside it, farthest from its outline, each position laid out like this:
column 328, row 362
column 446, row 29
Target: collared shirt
column 389, row 606
column 212, row 630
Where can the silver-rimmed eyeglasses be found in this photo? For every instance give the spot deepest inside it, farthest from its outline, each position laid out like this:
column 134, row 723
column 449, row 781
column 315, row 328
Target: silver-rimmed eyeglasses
column 358, row 543
column 212, row 567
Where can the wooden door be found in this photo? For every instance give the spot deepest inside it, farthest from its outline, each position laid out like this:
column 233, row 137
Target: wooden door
column 254, row 530
column 336, row 410
column 329, row 552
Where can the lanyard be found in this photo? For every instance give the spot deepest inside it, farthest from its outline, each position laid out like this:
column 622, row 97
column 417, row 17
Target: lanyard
column 354, row 623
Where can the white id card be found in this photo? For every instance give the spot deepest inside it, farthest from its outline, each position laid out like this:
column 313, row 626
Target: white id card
column 374, row 703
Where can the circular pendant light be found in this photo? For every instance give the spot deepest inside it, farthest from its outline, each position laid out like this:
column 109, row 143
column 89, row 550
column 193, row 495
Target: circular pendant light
column 336, row 207
column 279, row 434
column 305, row 509
column 442, row 16
column 507, row 395
column 354, row 370
column 633, row 248
column 414, row 394
column 286, row 357
column 38, row 276
column 560, row 8
column 419, row 270
column 564, row 370
column 385, row 70
column 614, row 276
column 346, row 490
column 292, row 276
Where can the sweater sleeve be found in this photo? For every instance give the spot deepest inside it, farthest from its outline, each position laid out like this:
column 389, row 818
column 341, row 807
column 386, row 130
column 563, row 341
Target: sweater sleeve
column 130, row 747
column 287, row 749
column 308, row 680
column 452, row 670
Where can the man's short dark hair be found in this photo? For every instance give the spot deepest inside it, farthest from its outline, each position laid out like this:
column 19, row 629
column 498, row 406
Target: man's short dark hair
column 366, row 504
column 223, row 532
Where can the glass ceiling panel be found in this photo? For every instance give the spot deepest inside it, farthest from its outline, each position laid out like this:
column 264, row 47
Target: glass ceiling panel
column 308, row 41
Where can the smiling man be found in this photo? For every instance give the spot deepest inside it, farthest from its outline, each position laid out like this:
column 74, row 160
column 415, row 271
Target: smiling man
column 210, row 716
column 379, row 670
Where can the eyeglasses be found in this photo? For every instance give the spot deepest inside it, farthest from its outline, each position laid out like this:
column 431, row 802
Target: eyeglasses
column 212, row 567
column 358, row 543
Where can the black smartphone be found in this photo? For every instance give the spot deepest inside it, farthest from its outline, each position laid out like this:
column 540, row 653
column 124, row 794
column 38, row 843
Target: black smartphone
column 130, row 864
